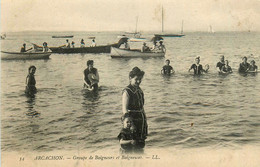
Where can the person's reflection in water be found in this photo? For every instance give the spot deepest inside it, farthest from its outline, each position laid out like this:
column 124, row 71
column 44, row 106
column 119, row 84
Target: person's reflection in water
column 31, row 112
column 90, row 95
column 90, row 99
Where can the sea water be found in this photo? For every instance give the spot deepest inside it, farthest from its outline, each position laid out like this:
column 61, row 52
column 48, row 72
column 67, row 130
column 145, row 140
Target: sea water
column 183, row 111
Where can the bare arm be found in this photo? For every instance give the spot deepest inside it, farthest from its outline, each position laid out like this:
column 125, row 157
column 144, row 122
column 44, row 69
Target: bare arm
column 84, row 79
column 162, row 72
column 127, row 141
column 222, row 70
column 97, row 75
column 125, row 102
column 190, row 68
column 26, row 81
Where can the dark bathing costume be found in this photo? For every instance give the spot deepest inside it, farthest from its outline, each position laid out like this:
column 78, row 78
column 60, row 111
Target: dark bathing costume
column 220, row 65
column 197, row 69
column 167, row 69
column 252, row 68
column 226, row 69
column 126, row 134
column 243, row 67
column 136, row 103
column 86, row 73
column 30, row 88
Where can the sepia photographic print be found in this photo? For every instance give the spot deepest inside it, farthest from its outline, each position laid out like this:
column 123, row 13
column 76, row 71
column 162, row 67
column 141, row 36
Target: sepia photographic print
column 120, row 83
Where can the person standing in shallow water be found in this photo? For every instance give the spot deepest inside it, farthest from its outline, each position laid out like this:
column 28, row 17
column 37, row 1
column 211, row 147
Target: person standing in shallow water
column 167, row 69
column 244, row 66
column 226, row 69
column 221, row 63
column 91, row 76
column 197, row 67
column 30, row 81
column 133, row 106
column 126, row 136
column 252, row 67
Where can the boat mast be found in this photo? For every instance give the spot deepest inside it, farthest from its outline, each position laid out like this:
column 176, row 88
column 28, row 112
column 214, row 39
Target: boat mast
column 136, row 24
column 182, row 27
column 162, row 18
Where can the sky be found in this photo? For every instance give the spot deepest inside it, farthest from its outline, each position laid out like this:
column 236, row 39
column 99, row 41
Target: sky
column 120, row 15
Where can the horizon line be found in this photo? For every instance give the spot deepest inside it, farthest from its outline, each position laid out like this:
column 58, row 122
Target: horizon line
column 120, row 31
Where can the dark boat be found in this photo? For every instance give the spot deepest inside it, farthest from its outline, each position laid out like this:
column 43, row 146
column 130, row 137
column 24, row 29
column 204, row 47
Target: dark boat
column 95, row 49
column 63, row 36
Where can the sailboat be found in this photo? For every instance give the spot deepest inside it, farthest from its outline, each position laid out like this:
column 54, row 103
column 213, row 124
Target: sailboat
column 211, row 30
column 169, row 35
column 136, row 34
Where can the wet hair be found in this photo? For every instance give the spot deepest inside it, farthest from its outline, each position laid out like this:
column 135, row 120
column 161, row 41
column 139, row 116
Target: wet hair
column 226, row 62
column 244, row 58
column 197, row 58
column 90, row 62
column 31, row 67
column 136, row 72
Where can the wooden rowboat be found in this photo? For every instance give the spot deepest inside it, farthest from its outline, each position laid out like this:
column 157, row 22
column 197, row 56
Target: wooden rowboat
column 95, row 49
column 123, row 53
column 62, row 36
column 24, row 55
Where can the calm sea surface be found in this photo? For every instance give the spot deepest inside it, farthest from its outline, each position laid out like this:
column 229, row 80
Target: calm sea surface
column 224, row 110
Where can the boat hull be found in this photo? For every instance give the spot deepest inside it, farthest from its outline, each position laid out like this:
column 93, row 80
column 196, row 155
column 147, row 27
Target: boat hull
column 24, row 56
column 137, row 39
column 66, row 36
column 96, row 49
column 169, row 35
column 122, row 53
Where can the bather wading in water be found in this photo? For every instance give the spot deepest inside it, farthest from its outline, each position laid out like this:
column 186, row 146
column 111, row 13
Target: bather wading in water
column 133, row 107
column 30, row 82
column 91, row 76
column 197, row 67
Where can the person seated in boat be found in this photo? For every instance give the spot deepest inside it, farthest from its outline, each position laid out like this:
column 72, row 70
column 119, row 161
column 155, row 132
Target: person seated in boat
column 167, row 69
column 30, row 81
column 145, row 48
column 127, row 46
column 45, row 47
column 244, row 66
column 93, row 44
column 91, row 76
column 226, row 68
column 221, row 63
column 197, row 67
column 23, row 48
column 67, row 44
column 155, row 47
column 161, row 46
column 73, row 44
column 252, row 67
column 82, row 43
column 126, row 135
